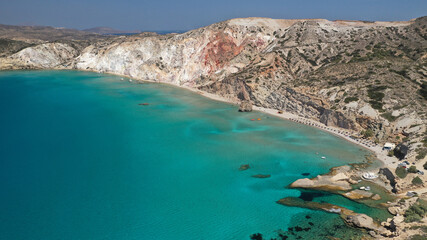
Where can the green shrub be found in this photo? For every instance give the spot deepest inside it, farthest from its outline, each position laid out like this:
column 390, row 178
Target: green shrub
column 368, row 133
column 388, row 116
column 351, row 99
column 412, row 169
column 423, row 90
column 412, row 218
column 421, row 153
column 417, row 181
column 376, row 95
column 401, row 172
column 425, row 166
column 419, row 237
column 423, row 228
column 376, row 105
column 416, row 212
column 390, row 153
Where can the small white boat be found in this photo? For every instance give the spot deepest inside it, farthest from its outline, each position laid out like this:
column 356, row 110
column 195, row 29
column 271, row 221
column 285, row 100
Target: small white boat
column 367, row 188
column 130, row 80
column 122, row 79
column 362, row 188
column 369, row 175
column 323, row 157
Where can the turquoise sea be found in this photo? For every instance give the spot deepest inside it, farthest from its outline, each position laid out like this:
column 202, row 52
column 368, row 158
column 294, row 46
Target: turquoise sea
column 80, row 159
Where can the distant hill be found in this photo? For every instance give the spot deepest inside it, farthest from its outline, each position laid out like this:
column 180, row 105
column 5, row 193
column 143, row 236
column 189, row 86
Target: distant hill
column 44, row 33
column 109, row 31
column 15, row 38
column 164, row 32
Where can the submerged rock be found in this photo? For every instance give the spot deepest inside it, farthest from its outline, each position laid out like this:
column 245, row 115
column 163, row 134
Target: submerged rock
column 261, row 176
column 364, row 221
column 376, row 197
column 351, row 218
column 297, row 202
column 244, row 167
column 245, row 106
column 256, row 236
column 309, row 196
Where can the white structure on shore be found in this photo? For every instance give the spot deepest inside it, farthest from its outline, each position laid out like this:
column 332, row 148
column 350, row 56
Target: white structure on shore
column 389, row 146
column 369, row 176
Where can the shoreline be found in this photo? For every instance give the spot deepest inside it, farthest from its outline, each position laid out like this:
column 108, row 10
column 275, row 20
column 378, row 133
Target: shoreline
column 339, row 132
column 342, row 133
column 345, row 134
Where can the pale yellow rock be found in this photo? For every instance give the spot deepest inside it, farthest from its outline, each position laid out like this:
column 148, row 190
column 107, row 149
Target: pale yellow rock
column 376, row 197
column 358, row 194
column 323, row 183
column 339, row 177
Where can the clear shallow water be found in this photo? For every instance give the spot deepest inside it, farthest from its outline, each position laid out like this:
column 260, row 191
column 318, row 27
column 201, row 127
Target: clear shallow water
column 80, row 159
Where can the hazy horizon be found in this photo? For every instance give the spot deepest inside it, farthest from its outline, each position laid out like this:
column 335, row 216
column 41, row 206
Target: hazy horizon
column 170, row 15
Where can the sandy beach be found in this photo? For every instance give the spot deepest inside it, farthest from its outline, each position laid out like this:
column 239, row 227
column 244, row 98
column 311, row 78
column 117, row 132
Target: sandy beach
column 346, row 134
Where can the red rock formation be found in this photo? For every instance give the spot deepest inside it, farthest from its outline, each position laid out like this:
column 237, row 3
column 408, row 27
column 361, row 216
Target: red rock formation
column 220, row 50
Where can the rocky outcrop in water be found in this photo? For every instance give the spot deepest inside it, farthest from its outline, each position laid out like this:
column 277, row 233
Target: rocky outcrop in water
column 336, row 180
column 358, row 194
column 245, row 106
column 351, row 218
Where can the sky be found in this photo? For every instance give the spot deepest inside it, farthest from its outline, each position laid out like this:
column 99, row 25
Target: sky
column 164, row 15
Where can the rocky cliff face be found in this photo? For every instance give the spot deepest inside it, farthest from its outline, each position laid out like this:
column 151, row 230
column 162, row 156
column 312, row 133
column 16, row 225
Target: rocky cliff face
column 47, row 55
column 351, row 74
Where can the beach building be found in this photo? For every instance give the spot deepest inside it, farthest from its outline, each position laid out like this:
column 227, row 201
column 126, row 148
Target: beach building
column 389, row 146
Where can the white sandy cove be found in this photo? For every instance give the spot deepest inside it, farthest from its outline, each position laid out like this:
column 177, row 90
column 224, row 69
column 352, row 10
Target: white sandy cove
column 343, row 133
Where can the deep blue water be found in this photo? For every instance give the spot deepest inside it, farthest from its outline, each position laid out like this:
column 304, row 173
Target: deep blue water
column 80, row 159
